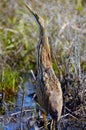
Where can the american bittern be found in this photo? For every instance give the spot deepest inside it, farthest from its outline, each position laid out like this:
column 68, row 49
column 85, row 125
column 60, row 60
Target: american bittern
column 48, row 89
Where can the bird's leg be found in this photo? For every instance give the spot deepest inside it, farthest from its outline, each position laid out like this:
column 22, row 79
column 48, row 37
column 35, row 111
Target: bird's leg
column 45, row 121
column 54, row 125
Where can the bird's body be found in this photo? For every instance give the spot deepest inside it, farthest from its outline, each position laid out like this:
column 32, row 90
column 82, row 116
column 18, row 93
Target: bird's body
column 49, row 93
column 48, row 88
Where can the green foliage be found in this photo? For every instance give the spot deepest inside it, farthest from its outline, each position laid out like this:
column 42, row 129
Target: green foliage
column 17, row 46
column 9, row 80
column 56, row 68
column 79, row 5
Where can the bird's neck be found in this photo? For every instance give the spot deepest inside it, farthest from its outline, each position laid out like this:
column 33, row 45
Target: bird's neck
column 44, row 56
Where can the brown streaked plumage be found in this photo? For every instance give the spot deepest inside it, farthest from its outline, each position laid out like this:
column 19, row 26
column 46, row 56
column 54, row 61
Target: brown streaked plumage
column 48, row 87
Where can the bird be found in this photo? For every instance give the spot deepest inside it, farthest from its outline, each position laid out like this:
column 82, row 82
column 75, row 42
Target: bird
column 48, row 87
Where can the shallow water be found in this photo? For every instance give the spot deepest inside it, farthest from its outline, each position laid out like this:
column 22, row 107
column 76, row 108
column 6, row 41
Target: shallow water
column 23, row 102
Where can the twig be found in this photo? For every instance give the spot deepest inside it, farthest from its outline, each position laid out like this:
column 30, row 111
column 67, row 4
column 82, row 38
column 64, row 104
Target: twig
column 73, row 27
column 19, row 112
column 9, row 30
column 22, row 109
column 44, row 126
column 68, row 114
column 16, row 113
column 34, row 77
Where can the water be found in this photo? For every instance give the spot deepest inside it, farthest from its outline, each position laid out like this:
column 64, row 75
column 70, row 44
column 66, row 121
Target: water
column 14, row 120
